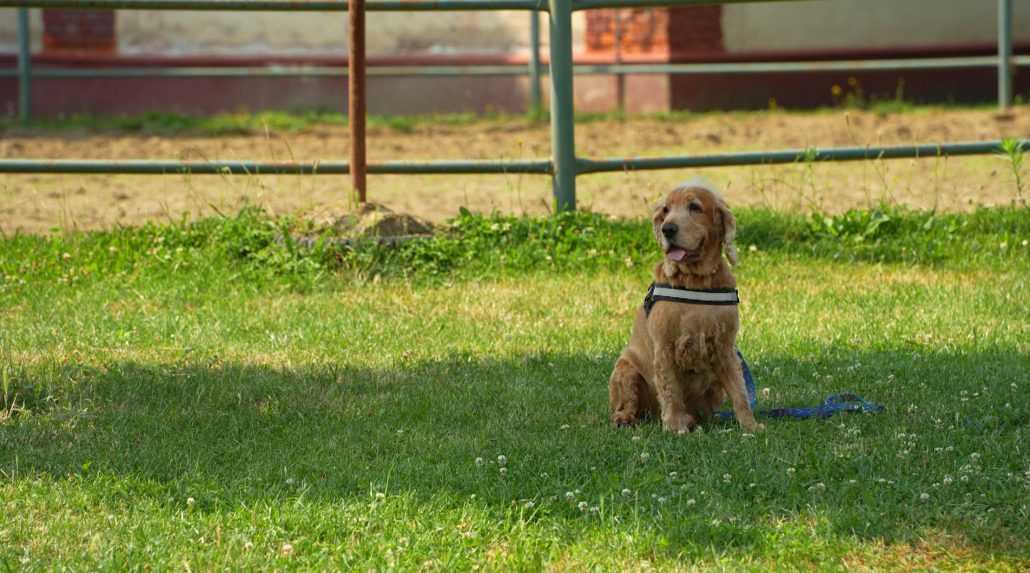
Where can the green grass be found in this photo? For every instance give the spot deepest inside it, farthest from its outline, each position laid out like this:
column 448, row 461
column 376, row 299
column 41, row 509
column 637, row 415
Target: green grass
column 211, row 395
column 245, row 123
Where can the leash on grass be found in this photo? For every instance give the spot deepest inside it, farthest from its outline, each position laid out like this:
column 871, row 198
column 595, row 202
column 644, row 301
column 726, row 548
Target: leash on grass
column 846, row 402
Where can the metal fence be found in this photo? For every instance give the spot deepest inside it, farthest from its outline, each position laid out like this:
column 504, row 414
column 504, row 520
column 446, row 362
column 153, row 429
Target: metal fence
column 563, row 165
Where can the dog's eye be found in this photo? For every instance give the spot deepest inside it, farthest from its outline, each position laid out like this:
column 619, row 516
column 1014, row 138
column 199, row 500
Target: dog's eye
column 695, row 208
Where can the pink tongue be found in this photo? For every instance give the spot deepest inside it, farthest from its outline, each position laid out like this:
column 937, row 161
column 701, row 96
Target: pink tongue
column 676, row 254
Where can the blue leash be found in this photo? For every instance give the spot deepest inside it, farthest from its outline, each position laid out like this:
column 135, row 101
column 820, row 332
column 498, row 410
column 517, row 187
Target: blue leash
column 845, row 402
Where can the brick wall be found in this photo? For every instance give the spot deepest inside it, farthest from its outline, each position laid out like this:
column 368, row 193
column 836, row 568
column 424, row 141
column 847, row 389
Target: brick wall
column 78, row 30
column 672, row 31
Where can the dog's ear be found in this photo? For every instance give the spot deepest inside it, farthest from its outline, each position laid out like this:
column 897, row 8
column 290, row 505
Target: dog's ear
column 656, row 217
column 729, row 231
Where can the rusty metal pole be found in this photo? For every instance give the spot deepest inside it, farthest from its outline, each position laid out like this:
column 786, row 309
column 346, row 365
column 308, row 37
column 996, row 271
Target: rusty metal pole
column 620, row 78
column 356, row 102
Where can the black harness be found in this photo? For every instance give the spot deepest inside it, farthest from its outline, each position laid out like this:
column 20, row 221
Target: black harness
column 715, row 296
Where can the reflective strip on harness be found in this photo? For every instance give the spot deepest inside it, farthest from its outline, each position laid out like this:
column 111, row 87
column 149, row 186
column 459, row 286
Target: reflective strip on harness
column 727, row 297
column 658, row 292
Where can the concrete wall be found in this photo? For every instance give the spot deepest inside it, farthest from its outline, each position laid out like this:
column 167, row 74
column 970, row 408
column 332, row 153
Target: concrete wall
column 164, row 32
column 807, row 25
column 9, row 29
column 843, row 24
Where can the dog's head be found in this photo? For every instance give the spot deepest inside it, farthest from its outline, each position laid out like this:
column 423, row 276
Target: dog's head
column 693, row 225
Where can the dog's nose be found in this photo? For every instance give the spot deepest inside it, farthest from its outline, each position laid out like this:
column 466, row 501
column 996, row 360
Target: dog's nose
column 670, row 229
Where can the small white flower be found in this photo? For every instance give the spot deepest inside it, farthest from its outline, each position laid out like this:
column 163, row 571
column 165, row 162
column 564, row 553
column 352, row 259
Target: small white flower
column 287, row 549
column 924, row 497
column 380, row 495
column 661, row 500
column 626, row 492
column 480, row 461
column 947, row 479
column 570, row 496
column 635, row 438
column 289, row 481
column 190, row 501
column 504, row 471
column 248, row 546
column 673, row 474
column 752, row 248
column 577, row 492
column 691, row 501
column 974, row 456
column 501, row 460
column 595, row 509
column 726, row 477
column 790, row 471
column 582, row 506
column 564, row 426
column 644, row 456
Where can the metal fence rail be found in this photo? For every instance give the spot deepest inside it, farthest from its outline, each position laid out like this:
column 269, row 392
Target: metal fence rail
column 563, row 166
column 301, row 70
column 538, row 166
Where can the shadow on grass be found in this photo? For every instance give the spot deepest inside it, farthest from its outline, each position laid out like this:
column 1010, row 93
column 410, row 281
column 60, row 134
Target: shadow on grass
column 235, row 433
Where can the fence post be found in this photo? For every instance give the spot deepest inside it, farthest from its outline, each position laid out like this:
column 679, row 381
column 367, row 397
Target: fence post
column 24, row 66
column 356, row 102
column 620, row 78
column 536, row 106
column 563, row 144
column 1004, row 54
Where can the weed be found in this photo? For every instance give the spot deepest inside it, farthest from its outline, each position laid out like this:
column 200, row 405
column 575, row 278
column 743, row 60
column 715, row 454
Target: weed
column 1013, row 150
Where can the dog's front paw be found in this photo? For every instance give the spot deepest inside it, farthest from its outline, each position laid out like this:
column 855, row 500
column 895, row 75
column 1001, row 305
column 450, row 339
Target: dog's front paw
column 621, row 419
column 679, row 424
column 754, row 428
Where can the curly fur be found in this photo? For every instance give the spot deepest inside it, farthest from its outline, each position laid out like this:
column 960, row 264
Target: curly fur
column 681, row 362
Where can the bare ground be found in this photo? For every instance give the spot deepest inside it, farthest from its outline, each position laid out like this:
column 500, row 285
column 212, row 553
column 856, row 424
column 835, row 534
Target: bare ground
column 40, row 203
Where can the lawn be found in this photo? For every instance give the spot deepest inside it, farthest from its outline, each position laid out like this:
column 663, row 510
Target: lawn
column 207, row 395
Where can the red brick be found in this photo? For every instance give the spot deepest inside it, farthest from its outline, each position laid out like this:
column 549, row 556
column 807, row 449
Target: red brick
column 78, row 30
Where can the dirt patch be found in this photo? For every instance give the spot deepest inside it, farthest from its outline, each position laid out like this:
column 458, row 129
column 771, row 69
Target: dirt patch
column 39, row 203
column 370, row 220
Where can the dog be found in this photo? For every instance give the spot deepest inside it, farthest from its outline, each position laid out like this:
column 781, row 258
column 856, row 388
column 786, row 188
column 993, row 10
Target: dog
column 681, row 361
